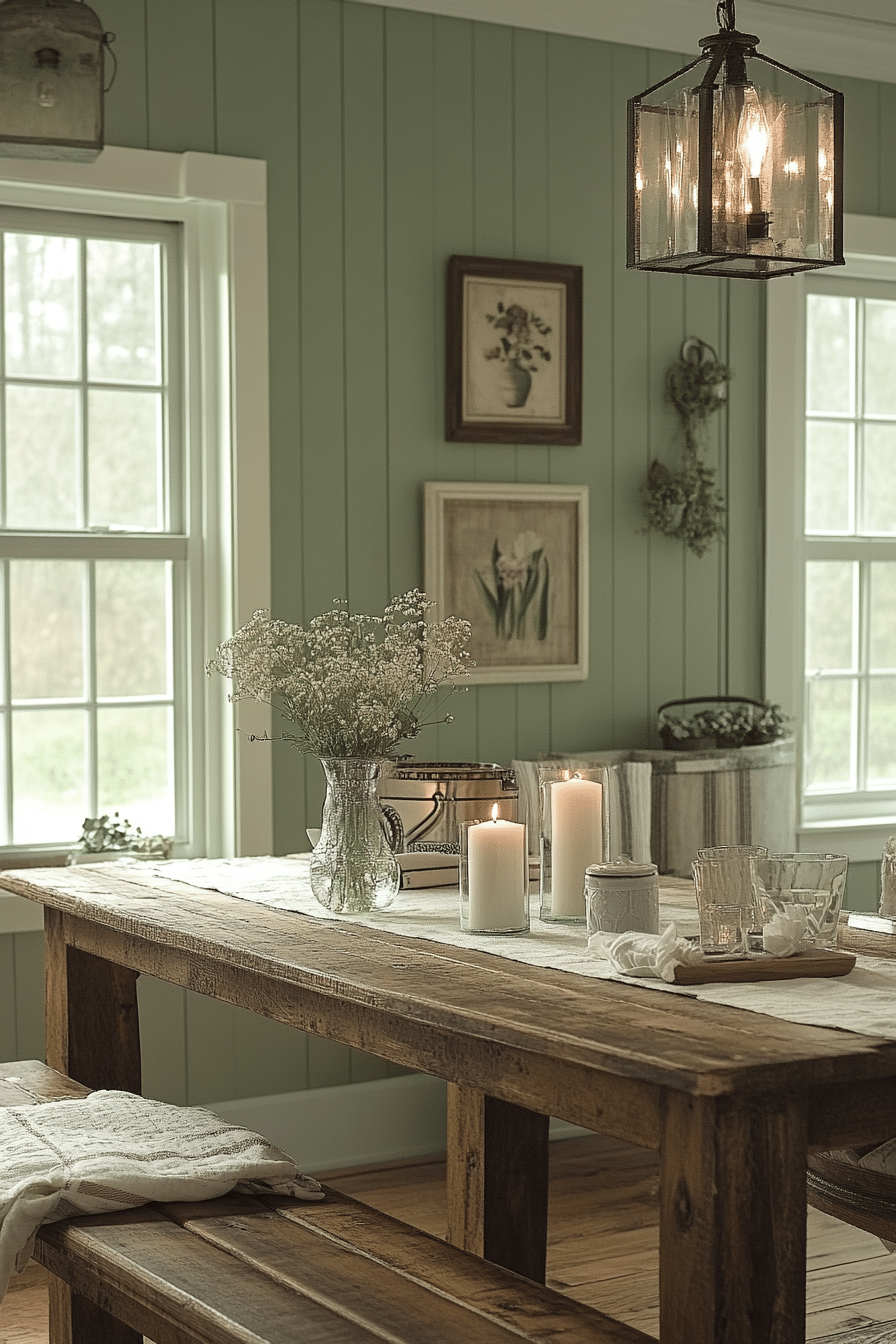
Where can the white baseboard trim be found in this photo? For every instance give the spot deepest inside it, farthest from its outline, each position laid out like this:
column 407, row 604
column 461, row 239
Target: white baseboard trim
column 327, row 1128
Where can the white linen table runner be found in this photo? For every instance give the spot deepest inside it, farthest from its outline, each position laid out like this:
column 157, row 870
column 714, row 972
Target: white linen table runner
column 863, row 1001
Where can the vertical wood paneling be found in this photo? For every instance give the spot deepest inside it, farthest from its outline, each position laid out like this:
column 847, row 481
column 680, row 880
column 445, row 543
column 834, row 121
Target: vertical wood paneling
column 581, row 231
column 180, row 54
column 495, row 129
column 163, row 1040
column 631, row 598
column 704, row 613
column 28, row 951
column 413, row 293
column 453, row 234
column 8, row 1004
column 666, row 320
column 366, row 411
column 885, row 174
column 531, row 242
column 746, row 491
column 126, row 103
column 862, row 177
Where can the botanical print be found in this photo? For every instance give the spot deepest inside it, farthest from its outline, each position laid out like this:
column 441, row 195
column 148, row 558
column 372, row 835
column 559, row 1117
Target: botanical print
column 511, row 570
column 519, row 579
column 513, row 351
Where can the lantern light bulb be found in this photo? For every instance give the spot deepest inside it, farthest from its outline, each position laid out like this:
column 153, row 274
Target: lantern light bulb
column 752, row 134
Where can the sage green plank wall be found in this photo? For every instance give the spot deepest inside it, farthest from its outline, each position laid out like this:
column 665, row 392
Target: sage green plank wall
column 394, row 139
column 21, row 996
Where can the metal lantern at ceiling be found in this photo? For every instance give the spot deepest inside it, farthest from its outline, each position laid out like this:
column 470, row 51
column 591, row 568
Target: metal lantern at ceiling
column 731, row 176
column 51, row 80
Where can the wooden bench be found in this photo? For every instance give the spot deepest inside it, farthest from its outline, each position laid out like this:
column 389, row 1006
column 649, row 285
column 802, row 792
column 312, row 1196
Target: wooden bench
column 240, row 1270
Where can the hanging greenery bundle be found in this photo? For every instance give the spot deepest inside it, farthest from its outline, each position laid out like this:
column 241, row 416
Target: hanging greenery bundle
column 686, row 504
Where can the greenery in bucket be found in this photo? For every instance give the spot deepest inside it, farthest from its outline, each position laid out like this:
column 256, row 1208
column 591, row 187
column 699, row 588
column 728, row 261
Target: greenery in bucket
column 737, row 723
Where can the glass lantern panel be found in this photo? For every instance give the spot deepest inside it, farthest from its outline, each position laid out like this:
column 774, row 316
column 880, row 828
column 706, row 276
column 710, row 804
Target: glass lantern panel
column 773, row 170
column 666, row 162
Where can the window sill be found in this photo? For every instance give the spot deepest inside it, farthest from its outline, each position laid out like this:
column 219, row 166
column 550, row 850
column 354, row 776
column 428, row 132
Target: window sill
column 862, row 839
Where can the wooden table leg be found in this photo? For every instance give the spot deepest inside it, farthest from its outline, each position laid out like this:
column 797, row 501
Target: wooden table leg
column 93, row 1033
column 498, row 1181
column 733, row 1221
column 76, row 1320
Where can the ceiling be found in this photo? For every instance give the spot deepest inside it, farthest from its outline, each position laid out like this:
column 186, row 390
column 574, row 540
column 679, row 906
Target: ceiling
column 836, row 37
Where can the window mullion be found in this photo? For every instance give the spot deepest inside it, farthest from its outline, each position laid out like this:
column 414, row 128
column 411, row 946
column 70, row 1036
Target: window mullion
column 862, row 709
column 7, row 704
column 83, row 448
column 90, row 688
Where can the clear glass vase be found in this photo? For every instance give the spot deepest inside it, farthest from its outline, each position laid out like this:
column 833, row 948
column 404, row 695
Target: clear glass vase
column 353, row 869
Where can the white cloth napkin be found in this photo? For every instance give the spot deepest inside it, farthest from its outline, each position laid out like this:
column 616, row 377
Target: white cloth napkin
column 115, row 1150
column 649, row 954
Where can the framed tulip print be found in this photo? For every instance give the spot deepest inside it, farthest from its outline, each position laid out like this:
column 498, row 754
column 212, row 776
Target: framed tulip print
column 513, row 561
column 514, row 351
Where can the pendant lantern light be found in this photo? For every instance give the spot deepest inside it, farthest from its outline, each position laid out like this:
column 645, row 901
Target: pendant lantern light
column 51, row 80
column 735, row 166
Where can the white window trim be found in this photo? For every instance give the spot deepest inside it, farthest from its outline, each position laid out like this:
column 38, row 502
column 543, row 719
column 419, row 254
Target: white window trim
column 221, row 202
column 867, row 240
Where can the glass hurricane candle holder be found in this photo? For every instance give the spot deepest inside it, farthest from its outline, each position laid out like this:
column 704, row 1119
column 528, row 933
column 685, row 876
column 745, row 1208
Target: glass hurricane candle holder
column 494, row 877
column 573, row 837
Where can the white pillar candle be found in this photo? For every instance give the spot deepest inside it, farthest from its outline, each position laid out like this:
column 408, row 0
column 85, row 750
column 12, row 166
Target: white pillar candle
column 498, row 875
column 576, row 842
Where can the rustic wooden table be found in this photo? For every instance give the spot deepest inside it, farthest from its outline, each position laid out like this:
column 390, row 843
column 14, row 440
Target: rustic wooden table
column 732, row 1100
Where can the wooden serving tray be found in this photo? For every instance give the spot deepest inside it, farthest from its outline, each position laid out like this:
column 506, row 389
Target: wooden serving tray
column 810, row 961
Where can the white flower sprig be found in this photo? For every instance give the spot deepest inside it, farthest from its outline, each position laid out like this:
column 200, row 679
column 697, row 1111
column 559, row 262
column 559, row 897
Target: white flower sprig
column 354, row 685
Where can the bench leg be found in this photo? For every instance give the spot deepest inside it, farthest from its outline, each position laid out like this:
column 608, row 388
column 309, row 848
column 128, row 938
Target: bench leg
column 76, row 1320
column 733, row 1221
column 93, row 1034
column 498, row 1181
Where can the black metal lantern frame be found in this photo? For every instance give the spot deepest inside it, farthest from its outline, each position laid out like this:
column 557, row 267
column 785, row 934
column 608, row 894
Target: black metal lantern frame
column 734, row 175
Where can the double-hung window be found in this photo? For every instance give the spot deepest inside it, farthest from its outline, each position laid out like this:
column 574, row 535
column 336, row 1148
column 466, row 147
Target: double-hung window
column 831, row 531
column 134, row 531
column 95, row 527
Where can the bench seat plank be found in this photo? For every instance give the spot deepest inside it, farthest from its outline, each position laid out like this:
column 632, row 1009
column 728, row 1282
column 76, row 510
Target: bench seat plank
column 162, row 1280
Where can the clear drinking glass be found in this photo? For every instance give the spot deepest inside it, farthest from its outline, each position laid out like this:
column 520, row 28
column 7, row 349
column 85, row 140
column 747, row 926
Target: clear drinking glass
column 811, row 883
column 723, row 876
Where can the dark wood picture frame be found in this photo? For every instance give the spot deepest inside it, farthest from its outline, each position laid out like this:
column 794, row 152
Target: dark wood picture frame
column 513, row 351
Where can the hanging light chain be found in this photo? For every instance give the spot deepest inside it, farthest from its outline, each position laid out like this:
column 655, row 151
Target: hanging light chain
column 725, row 15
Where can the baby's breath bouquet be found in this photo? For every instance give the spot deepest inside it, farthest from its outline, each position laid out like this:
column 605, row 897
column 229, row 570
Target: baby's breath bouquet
column 354, row 687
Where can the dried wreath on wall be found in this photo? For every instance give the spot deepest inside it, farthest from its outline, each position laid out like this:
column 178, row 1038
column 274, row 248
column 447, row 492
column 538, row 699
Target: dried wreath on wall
column 686, row 504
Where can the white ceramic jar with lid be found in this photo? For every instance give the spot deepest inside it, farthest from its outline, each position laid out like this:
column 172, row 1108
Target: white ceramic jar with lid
column 622, row 896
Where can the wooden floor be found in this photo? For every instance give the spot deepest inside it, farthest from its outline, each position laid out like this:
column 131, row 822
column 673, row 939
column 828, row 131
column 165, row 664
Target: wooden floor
column 602, row 1247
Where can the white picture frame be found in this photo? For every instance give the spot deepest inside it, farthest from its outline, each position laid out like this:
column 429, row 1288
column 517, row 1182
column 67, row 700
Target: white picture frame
column 512, row 559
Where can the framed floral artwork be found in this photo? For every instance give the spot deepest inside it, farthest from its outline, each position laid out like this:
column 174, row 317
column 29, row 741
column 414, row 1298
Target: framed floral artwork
column 513, row 561
column 514, row 351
